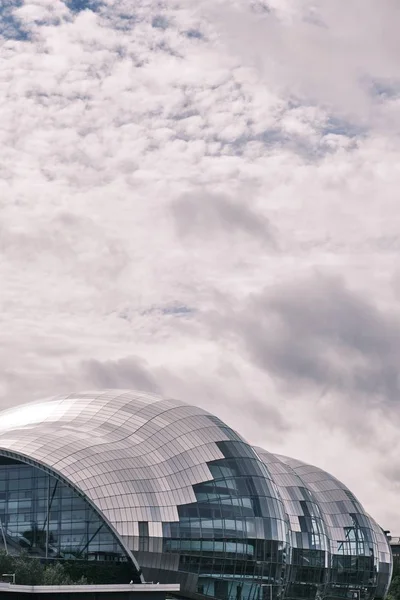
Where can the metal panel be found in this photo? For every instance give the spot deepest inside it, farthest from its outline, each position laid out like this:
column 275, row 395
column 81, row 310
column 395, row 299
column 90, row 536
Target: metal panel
column 196, row 504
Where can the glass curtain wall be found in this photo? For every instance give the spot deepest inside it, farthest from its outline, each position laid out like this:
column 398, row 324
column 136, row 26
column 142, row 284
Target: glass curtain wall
column 310, row 548
column 353, row 570
column 235, row 536
column 46, row 518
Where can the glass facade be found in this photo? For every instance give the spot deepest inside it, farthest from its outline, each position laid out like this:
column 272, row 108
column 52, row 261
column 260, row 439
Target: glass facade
column 342, row 551
column 235, row 535
column 122, row 475
column 308, row 560
column 359, row 555
column 46, row 518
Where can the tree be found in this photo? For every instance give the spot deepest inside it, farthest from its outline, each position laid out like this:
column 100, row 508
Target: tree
column 56, row 575
column 6, row 562
column 394, row 590
column 28, row 571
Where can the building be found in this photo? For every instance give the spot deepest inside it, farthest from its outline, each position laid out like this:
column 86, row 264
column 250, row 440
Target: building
column 178, row 497
column 395, row 547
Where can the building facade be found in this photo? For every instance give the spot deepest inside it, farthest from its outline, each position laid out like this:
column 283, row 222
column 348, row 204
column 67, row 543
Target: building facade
column 174, row 492
column 395, row 547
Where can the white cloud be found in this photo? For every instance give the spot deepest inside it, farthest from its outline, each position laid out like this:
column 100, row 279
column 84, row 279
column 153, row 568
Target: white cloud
column 161, row 167
column 318, row 52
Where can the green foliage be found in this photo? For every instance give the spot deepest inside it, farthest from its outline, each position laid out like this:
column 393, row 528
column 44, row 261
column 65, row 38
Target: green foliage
column 56, row 574
column 31, row 571
column 394, row 590
column 28, row 571
column 6, row 563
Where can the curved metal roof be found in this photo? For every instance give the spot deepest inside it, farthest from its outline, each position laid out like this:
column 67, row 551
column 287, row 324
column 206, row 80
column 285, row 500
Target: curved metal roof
column 324, row 514
column 135, row 456
column 139, row 458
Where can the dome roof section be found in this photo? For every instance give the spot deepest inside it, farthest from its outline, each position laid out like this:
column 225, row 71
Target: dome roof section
column 325, row 515
column 147, row 451
column 192, row 502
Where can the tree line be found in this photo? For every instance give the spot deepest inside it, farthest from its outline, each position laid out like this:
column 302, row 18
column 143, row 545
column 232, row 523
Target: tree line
column 30, row 570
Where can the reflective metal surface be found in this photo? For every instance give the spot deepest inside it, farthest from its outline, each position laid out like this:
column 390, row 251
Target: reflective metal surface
column 193, row 503
column 337, row 549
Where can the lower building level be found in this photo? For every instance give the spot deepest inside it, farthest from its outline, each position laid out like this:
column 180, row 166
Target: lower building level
column 87, row 592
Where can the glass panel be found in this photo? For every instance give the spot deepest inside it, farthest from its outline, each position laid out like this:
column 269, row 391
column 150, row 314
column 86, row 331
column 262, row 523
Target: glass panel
column 46, row 518
column 229, row 537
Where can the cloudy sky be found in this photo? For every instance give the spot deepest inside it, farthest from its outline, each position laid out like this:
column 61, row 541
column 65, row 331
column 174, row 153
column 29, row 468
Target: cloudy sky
column 200, row 198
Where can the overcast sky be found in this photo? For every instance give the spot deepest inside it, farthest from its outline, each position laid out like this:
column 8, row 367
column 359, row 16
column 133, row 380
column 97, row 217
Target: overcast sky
column 201, row 198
